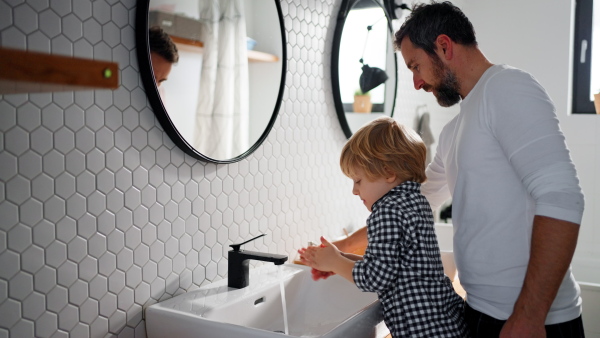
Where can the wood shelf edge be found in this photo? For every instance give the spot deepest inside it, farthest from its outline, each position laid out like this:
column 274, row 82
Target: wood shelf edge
column 29, row 72
column 198, row 46
column 256, row 56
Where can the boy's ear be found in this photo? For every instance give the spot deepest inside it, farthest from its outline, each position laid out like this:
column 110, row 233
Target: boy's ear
column 391, row 176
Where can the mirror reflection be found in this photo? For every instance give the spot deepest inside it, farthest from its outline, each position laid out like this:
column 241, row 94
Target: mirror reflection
column 163, row 54
column 364, row 68
column 221, row 88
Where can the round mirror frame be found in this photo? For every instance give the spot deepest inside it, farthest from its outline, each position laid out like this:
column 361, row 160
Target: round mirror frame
column 147, row 75
column 345, row 9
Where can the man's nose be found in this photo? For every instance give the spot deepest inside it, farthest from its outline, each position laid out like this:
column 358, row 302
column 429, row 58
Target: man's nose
column 418, row 82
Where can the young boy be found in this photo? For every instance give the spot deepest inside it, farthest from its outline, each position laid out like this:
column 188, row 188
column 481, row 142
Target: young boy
column 402, row 261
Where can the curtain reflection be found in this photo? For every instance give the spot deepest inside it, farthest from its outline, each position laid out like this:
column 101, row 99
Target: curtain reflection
column 223, row 105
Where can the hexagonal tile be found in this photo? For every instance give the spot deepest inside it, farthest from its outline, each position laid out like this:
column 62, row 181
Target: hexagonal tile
column 67, row 274
column 88, row 311
column 16, row 141
column 30, row 164
column 98, row 287
column 72, row 27
column 88, row 268
column 107, row 263
column 101, row 11
column 20, row 286
column 95, row 161
column 10, row 311
column 56, row 254
column 116, row 281
column 78, row 293
column 68, row 317
column 25, row 18
column 85, row 140
column 76, row 206
column 83, row 10
column 41, row 140
column 47, row 322
column 32, row 259
column 62, row 46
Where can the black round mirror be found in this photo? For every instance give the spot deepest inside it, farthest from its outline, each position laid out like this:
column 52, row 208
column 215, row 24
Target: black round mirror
column 364, row 69
column 218, row 91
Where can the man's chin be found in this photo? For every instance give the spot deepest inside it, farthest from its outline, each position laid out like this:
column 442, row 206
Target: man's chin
column 445, row 101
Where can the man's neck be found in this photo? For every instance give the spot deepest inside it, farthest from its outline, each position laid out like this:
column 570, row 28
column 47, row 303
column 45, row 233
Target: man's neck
column 470, row 68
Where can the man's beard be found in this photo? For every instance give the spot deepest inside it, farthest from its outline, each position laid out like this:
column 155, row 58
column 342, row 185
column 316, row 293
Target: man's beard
column 447, row 91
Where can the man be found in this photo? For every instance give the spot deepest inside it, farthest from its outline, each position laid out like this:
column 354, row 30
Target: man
column 517, row 204
column 163, row 54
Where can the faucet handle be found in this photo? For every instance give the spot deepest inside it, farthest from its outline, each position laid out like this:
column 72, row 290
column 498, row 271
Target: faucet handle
column 236, row 247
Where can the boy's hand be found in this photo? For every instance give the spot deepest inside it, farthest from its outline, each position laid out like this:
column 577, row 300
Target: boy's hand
column 324, row 258
column 316, row 274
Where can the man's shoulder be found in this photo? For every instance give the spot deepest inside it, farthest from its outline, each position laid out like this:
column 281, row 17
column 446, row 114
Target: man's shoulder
column 499, row 75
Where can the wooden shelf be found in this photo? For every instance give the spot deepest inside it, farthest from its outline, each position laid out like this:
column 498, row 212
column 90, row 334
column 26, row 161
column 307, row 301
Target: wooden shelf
column 186, row 41
column 33, row 72
column 198, row 46
column 254, row 56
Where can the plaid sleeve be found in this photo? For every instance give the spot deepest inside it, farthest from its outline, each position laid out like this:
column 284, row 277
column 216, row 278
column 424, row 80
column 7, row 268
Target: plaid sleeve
column 381, row 264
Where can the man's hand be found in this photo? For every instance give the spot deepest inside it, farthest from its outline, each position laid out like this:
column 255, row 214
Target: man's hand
column 516, row 327
column 553, row 243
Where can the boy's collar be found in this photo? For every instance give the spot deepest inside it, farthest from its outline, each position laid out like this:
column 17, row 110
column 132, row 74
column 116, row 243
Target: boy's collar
column 402, row 187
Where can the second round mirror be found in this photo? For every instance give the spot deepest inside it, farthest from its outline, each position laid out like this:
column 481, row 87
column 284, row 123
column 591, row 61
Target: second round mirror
column 364, row 64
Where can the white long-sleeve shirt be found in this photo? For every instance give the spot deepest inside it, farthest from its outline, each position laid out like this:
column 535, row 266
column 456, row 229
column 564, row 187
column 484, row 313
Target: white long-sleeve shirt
column 503, row 160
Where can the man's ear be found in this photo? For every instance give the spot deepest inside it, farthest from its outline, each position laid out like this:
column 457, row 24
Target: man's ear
column 444, row 46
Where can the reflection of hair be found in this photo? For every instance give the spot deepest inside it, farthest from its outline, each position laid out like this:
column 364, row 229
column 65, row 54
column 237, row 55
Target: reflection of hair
column 161, row 43
column 383, row 146
column 427, row 21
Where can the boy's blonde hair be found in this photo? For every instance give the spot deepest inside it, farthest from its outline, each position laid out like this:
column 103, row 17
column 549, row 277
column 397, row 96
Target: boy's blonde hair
column 384, row 146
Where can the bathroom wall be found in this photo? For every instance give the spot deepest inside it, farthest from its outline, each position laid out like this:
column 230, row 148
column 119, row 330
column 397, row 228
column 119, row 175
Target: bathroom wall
column 101, row 215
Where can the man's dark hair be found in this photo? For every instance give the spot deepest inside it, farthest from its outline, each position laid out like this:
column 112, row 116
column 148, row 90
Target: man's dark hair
column 427, row 21
column 161, row 43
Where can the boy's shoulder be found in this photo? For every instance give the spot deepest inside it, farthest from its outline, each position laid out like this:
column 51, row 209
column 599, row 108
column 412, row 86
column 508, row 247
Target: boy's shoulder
column 408, row 192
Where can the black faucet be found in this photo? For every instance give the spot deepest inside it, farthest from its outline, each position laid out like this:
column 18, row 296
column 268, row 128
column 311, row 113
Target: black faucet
column 238, row 271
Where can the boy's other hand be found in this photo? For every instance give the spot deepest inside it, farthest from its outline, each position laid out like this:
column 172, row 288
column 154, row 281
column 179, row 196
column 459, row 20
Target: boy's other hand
column 316, row 274
column 324, row 258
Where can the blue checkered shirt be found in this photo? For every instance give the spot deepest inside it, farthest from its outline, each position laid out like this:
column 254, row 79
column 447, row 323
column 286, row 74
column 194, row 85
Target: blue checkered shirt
column 402, row 264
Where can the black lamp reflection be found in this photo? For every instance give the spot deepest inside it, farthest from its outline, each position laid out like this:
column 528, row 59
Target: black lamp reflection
column 371, row 77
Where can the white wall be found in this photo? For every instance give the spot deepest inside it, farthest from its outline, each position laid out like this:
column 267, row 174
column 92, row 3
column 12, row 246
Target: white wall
column 101, row 214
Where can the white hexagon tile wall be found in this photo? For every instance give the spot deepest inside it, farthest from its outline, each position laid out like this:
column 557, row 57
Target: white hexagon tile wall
column 100, row 213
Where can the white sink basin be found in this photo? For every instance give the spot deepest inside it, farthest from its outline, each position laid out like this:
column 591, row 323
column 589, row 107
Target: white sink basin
column 325, row 308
